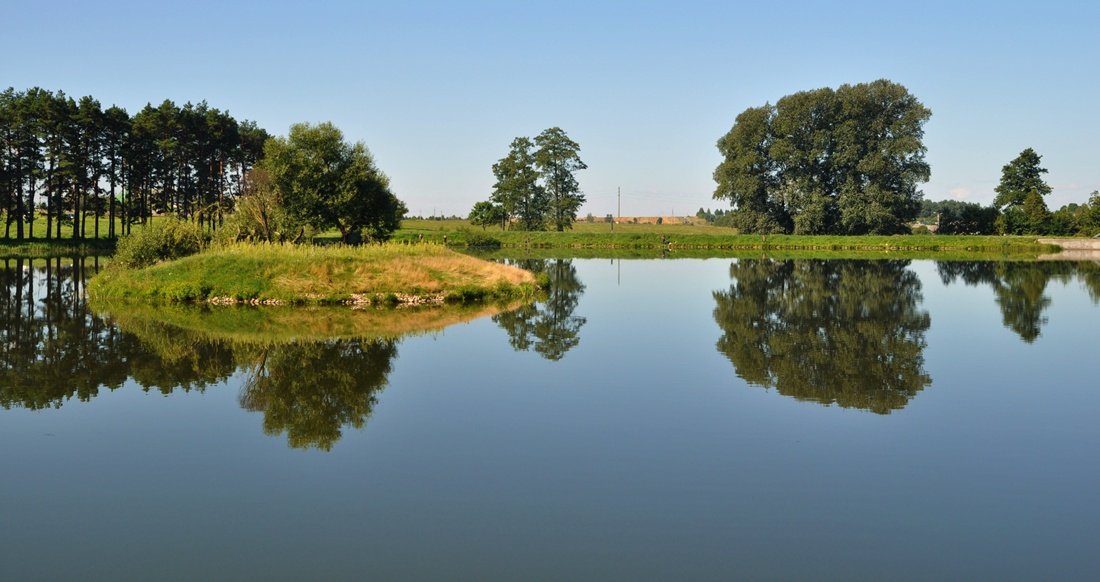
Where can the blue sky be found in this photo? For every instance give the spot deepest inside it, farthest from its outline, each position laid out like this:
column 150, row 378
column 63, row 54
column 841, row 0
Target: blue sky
column 438, row 90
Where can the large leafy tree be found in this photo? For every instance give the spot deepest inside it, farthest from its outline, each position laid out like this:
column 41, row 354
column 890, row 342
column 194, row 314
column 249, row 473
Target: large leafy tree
column 847, row 161
column 747, row 176
column 558, row 159
column 517, row 191
column 328, row 183
column 486, row 214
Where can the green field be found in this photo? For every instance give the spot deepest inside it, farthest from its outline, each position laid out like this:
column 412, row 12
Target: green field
column 684, row 237
column 588, row 236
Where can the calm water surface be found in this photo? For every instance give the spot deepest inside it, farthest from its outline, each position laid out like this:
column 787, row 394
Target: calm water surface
column 655, row 419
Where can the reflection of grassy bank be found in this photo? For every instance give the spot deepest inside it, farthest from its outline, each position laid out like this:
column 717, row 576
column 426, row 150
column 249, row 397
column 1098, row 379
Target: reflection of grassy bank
column 275, row 324
column 725, row 253
column 311, row 274
column 55, row 248
column 313, row 371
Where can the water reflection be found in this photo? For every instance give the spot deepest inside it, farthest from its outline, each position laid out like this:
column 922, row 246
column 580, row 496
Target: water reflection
column 550, row 328
column 51, row 348
column 310, row 371
column 1020, row 288
column 312, row 390
column 849, row 333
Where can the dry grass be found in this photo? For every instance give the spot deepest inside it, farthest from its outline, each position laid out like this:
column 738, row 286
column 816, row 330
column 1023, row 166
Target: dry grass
column 300, row 274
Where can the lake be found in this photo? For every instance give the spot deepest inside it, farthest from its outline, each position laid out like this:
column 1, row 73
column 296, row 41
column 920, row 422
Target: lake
column 652, row 419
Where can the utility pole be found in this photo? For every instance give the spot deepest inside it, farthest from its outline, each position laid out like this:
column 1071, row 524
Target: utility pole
column 620, row 188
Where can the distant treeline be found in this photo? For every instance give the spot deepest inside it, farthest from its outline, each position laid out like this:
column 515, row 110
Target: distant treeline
column 848, row 162
column 959, row 217
column 63, row 161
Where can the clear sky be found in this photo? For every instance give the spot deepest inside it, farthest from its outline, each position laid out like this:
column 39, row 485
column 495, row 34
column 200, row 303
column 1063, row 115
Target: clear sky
column 438, row 90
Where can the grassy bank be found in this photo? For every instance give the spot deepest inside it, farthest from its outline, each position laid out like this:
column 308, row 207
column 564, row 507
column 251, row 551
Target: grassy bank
column 391, row 273
column 684, row 237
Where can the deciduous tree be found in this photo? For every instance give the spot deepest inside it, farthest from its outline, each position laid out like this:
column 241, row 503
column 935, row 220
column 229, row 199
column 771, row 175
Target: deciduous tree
column 558, row 159
column 329, row 183
column 827, row 162
column 517, row 191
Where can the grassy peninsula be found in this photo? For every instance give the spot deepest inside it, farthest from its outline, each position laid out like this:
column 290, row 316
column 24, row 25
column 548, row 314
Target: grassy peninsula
column 306, row 274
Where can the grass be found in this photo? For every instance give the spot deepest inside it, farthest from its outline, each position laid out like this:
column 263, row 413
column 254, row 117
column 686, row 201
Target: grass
column 390, row 273
column 682, row 238
column 677, row 235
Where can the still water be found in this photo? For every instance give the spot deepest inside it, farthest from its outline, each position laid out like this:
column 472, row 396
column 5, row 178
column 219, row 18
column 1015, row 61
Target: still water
column 688, row 419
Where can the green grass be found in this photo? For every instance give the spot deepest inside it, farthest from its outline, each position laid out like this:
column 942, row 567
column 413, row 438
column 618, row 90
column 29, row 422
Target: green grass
column 682, row 238
column 316, row 274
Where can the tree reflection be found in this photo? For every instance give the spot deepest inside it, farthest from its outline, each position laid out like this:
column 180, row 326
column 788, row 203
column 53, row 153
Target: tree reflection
column 310, row 390
column 1020, row 288
column 848, row 333
column 549, row 328
column 51, row 348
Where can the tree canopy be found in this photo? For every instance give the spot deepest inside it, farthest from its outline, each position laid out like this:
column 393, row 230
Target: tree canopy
column 67, row 160
column 844, row 161
column 327, row 183
column 558, row 159
column 536, row 184
column 517, row 191
column 1020, row 196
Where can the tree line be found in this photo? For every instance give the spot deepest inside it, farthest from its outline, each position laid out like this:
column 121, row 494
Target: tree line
column 65, row 160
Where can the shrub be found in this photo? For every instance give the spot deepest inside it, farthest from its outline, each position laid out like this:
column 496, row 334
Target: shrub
column 161, row 240
column 480, row 239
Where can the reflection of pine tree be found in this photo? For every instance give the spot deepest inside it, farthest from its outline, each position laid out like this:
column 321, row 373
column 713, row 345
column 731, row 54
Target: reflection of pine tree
column 310, row 390
column 836, row 332
column 51, row 347
column 1019, row 287
column 549, row 327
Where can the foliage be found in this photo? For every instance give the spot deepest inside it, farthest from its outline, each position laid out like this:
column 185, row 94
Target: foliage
column 1020, row 196
column 1087, row 217
column 517, row 191
column 535, row 188
column 958, row 217
column 1020, row 177
column 557, row 160
column 259, row 214
column 826, row 162
column 485, row 214
column 480, row 239
column 79, row 166
column 327, row 183
column 162, row 240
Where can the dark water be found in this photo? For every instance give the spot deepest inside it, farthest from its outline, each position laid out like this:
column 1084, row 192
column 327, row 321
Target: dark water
column 668, row 419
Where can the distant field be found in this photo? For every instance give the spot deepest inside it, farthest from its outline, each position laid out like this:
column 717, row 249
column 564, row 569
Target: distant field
column 668, row 226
